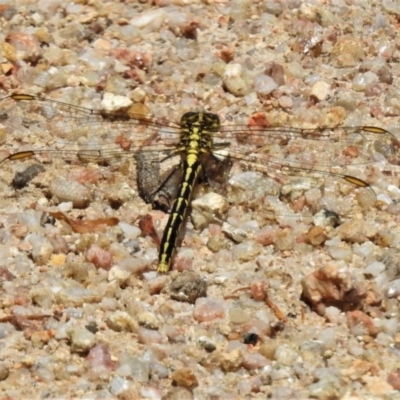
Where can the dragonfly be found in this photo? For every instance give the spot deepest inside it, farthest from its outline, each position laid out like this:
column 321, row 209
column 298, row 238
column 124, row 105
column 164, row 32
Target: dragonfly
column 276, row 168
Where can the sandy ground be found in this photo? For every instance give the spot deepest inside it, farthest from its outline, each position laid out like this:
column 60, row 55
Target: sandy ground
column 255, row 308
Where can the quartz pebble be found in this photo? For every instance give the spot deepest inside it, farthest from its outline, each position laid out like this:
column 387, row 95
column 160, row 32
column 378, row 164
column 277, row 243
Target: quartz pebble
column 149, row 336
column 320, row 91
column 81, row 339
column 208, row 310
column 111, row 102
column 247, row 251
column 99, row 358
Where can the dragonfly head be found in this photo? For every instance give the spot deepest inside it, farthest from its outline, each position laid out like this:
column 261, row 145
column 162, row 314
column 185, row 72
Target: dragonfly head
column 205, row 120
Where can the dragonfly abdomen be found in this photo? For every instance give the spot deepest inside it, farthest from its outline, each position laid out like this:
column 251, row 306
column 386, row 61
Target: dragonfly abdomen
column 179, row 211
column 196, row 144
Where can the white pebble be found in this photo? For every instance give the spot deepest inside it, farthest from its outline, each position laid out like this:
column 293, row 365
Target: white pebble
column 393, row 289
column 285, row 355
column 264, row 84
column 65, row 206
column 333, row 314
column 112, row 102
column 363, row 81
column 374, row 268
column 320, row 90
column 118, row 385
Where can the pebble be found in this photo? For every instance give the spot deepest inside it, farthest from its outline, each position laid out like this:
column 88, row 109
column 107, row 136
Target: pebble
column 247, row 251
column 207, row 343
column 150, row 20
column 391, row 259
column 326, row 389
column 320, row 91
column 119, row 275
column 364, row 81
column 134, row 367
column 40, row 338
column 99, row 359
column 284, row 239
column 347, row 52
column 82, row 340
column 277, row 73
column 118, row 385
column 235, row 80
column 207, row 310
column 393, row 289
column 70, row 191
column 184, row 377
column 285, row 102
column 159, row 371
column 236, row 234
column 60, row 249
column 228, row 361
column 118, row 194
column 357, row 231
column 188, row 287
column 217, row 243
column 112, row 102
column 239, row 315
column 264, row 84
column 360, row 324
column 285, row 355
column 339, row 250
column 333, row 314
column 76, row 295
column 174, row 334
column 333, row 285
column 346, row 101
column 27, row 46
column 157, row 284
column 253, row 361
column 265, row 236
column 128, row 266
column 4, row 372
column 130, row 231
column 261, row 327
column 149, row 336
column 42, row 248
column 378, row 386
column 121, row 321
column 179, row 393
column 391, row 6
column 393, row 380
column 356, row 349
column 364, row 250
column 101, row 258
column 148, row 320
column 316, row 236
column 209, row 207
column 374, row 269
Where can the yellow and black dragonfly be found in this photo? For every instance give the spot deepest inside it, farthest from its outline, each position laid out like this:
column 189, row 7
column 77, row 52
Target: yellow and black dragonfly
column 287, row 171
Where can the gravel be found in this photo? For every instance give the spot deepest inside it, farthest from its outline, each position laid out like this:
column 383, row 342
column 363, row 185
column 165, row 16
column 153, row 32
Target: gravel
column 84, row 315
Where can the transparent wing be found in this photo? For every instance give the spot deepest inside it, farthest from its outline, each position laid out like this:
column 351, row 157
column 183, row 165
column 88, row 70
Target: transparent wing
column 296, row 167
column 34, row 120
column 324, row 148
column 65, row 137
